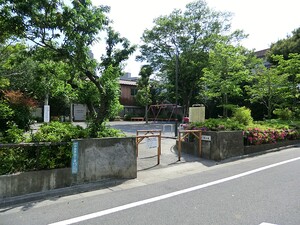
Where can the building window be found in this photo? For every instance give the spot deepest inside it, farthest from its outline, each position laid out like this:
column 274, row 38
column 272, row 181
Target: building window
column 133, row 91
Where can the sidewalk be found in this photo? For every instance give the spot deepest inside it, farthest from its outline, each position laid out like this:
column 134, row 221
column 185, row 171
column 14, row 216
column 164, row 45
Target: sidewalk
column 169, row 168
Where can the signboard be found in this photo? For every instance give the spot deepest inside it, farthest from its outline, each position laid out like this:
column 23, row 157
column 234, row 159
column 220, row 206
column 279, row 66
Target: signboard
column 79, row 112
column 75, row 158
column 46, row 113
column 206, row 138
column 152, row 142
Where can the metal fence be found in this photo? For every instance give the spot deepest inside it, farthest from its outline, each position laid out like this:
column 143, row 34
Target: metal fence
column 34, row 156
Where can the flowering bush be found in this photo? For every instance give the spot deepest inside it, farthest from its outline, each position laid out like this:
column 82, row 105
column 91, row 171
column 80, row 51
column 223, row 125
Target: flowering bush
column 257, row 136
column 254, row 134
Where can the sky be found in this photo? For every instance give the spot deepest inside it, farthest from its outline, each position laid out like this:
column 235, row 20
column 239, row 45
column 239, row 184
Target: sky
column 265, row 21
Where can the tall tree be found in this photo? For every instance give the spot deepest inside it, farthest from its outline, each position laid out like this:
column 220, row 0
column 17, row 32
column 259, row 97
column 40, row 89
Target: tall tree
column 36, row 72
column 182, row 40
column 68, row 31
column 290, row 69
column 143, row 96
column 267, row 88
column 228, row 68
column 290, row 44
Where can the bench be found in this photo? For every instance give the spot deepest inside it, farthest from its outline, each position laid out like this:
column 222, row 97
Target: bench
column 137, row 118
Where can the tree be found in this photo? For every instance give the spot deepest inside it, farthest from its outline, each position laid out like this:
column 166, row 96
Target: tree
column 290, row 44
column 184, row 39
column 228, row 68
column 68, row 31
column 143, row 95
column 267, row 88
column 34, row 72
column 290, row 69
column 6, row 113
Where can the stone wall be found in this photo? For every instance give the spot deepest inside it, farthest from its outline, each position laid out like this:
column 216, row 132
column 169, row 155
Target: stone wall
column 264, row 147
column 106, row 158
column 218, row 145
column 34, row 181
column 97, row 159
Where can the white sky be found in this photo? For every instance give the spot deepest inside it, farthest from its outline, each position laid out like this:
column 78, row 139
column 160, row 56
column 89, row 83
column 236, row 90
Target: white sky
column 266, row 21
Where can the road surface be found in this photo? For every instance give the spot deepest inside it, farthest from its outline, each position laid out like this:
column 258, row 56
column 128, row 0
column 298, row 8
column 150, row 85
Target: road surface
column 254, row 191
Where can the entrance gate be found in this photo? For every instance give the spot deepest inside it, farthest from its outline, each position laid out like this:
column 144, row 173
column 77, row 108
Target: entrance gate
column 196, row 133
column 150, row 134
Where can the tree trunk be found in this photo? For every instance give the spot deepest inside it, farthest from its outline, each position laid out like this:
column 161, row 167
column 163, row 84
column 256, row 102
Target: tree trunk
column 146, row 113
column 269, row 109
column 225, row 102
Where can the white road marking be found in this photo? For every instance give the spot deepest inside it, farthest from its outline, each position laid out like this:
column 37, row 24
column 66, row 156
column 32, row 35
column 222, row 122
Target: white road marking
column 267, row 224
column 170, row 195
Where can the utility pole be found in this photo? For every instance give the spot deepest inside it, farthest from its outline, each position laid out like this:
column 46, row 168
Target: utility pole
column 176, row 94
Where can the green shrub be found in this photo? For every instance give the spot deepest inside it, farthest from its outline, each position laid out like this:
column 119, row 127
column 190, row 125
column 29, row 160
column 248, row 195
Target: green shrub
column 13, row 134
column 127, row 117
column 284, row 114
column 57, row 156
column 58, row 132
column 6, row 114
column 17, row 159
column 104, row 131
column 243, row 116
column 217, row 125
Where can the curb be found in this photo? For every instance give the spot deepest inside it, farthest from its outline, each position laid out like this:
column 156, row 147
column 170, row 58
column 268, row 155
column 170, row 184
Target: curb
column 235, row 158
column 60, row 192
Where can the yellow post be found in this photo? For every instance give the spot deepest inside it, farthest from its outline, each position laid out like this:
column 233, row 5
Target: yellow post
column 159, row 148
column 179, row 146
column 199, row 143
column 137, row 143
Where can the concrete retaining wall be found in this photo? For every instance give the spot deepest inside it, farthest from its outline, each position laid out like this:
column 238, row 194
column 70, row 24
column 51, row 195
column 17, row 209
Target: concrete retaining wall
column 35, row 181
column 106, row 158
column 222, row 145
column 226, row 144
column 264, row 147
column 97, row 159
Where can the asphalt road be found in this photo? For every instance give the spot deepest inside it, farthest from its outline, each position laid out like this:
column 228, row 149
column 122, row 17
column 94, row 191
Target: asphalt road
column 259, row 190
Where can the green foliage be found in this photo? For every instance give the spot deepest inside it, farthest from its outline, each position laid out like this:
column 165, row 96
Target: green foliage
column 262, row 132
column 60, row 35
column 109, row 132
column 109, row 99
column 57, row 156
column 228, row 68
column 13, row 134
column 6, row 114
column 16, row 159
column 127, row 117
column 58, row 132
column 283, row 114
column 143, row 96
column 243, row 116
column 4, row 82
column 267, row 88
column 182, row 40
column 290, row 69
column 290, row 44
column 217, row 125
